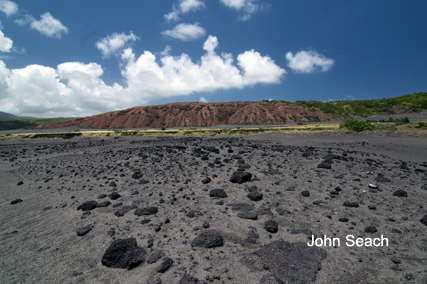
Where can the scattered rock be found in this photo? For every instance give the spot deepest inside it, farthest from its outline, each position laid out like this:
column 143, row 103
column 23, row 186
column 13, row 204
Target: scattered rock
column 123, row 253
column 166, row 264
column 16, row 201
column 400, row 193
column 371, row 229
column 240, row 177
column 155, row 256
column 208, row 239
column 84, row 230
column 248, row 215
column 271, row 226
column 255, row 196
column 424, row 220
column 103, row 204
column 287, row 262
column 88, row 205
column 146, row 211
column 305, row 193
column 351, row 204
column 218, row 192
column 206, row 180
column 114, row 196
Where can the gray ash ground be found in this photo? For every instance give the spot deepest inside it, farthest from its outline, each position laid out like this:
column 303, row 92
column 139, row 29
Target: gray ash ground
column 208, row 210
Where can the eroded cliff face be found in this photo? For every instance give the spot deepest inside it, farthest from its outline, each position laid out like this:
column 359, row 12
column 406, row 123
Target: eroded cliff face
column 196, row 114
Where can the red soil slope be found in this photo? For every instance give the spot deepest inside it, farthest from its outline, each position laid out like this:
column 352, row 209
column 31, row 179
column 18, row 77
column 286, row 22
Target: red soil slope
column 196, row 114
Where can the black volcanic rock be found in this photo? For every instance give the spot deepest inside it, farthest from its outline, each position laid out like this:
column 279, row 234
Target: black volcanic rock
column 271, row 226
column 88, row 205
column 155, row 256
column 218, row 192
column 146, row 211
column 208, row 239
column 240, row 177
column 84, row 230
column 123, row 253
column 114, row 196
column 16, row 201
column 382, row 178
column 305, row 193
column 255, row 196
column 324, row 165
column 351, row 204
column 400, row 193
column 287, row 262
column 371, row 229
column 248, row 215
column 137, row 175
column 188, row 279
column 424, row 220
column 103, row 204
column 206, row 180
column 123, row 210
column 165, row 265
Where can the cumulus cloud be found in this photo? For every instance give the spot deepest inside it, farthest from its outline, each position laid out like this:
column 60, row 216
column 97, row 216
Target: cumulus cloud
column 185, row 32
column 203, row 100
column 48, row 25
column 246, row 7
column 5, row 43
column 113, row 43
column 8, row 7
column 77, row 89
column 308, row 62
column 190, row 5
column 184, row 6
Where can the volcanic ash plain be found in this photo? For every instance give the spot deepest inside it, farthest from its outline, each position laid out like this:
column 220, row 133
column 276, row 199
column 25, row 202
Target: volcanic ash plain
column 212, row 210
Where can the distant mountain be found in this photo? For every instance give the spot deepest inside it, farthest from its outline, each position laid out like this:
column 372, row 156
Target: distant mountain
column 242, row 113
column 196, row 114
column 5, row 115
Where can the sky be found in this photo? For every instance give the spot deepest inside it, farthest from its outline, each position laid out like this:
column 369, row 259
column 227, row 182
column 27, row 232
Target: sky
column 79, row 58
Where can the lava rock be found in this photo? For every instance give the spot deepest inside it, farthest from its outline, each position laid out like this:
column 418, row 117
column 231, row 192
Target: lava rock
column 122, row 211
column 424, row 220
column 155, row 256
column 137, row 175
column 103, row 204
column 206, row 180
column 305, row 193
column 382, row 178
column 123, row 253
column 114, row 196
column 240, row 177
column 371, row 229
column 271, row 226
column 88, row 205
column 218, row 192
column 324, row 165
column 208, row 239
column 400, row 193
column 16, row 201
column 166, row 264
column 248, row 215
column 351, row 204
column 146, row 211
column 84, row 230
column 255, row 196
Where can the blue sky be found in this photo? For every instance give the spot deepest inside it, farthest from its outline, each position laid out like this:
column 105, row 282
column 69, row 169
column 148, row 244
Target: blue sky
column 79, row 58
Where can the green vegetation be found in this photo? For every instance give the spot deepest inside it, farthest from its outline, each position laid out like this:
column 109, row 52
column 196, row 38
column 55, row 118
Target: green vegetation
column 9, row 124
column 263, row 110
column 357, row 125
column 421, row 125
column 415, row 103
column 397, row 120
column 283, row 119
column 300, row 123
column 218, row 117
column 163, row 127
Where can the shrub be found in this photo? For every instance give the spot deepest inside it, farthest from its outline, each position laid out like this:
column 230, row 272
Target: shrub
column 283, row 119
column 163, row 128
column 421, row 125
column 356, row 125
column 300, row 123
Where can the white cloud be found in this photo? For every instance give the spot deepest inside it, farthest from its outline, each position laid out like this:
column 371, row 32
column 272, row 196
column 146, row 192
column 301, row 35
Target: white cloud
column 76, row 89
column 185, row 6
column 308, row 62
column 185, row 32
column 5, row 43
column 113, row 43
column 203, row 100
column 247, row 7
column 190, row 5
column 172, row 16
column 49, row 26
column 8, row 7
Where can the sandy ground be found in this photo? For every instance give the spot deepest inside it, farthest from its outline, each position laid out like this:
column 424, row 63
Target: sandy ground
column 39, row 241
